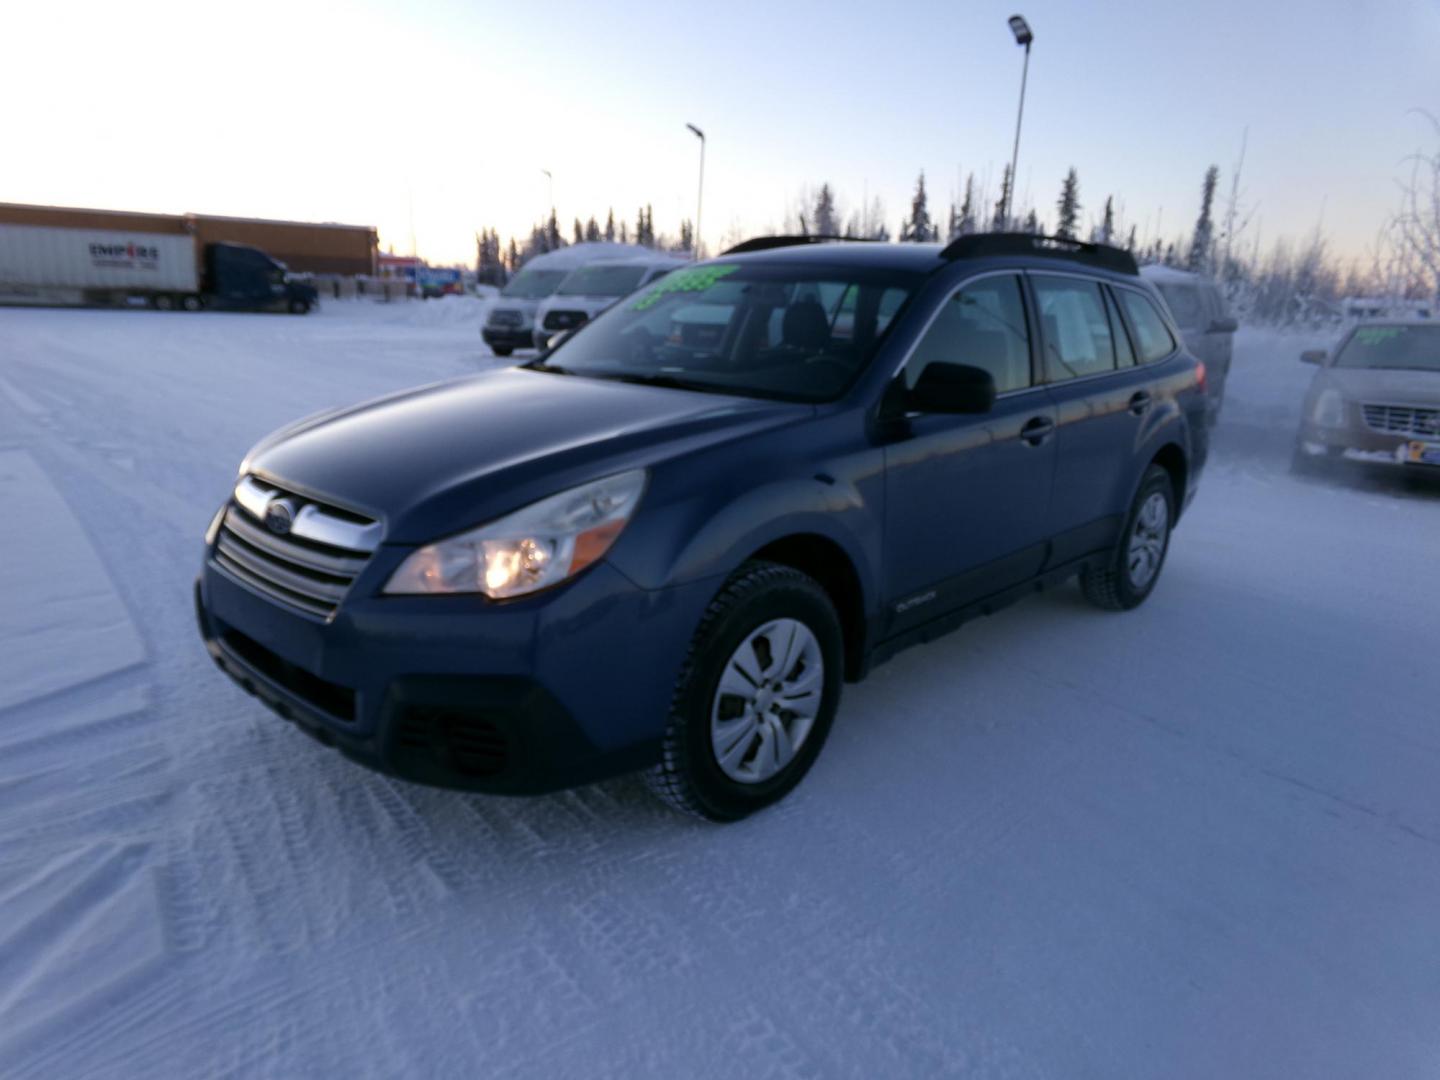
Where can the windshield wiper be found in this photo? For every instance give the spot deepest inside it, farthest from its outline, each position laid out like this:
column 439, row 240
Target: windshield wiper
column 545, row 366
column 657, row 378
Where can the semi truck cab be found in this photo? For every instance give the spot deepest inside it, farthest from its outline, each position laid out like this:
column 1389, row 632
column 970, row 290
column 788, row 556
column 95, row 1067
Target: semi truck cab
column 238, row 277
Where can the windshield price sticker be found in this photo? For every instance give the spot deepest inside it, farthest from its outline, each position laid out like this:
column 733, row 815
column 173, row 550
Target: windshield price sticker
column 695, row 279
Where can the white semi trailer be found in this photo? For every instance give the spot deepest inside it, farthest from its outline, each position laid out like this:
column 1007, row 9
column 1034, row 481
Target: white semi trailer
column 42, row 264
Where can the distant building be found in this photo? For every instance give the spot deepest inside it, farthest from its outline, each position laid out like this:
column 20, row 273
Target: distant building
column 303, row 246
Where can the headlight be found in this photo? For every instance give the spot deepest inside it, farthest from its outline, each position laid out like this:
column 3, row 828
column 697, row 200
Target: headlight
column 531, row 549
column 1329, row 409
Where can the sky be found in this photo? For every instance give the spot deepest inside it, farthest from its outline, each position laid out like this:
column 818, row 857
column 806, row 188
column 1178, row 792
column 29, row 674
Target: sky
column 433, row 120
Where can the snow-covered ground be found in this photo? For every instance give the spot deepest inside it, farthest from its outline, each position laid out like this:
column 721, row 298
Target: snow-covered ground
column 1198, row 840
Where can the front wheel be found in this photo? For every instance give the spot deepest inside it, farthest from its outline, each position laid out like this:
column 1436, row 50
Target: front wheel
column 756, row 695
column 191, row 302
column 299, row 307
column 1133, row 568
column 501, row 350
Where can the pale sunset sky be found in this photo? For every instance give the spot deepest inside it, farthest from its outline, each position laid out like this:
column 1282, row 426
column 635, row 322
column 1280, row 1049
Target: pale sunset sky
column 359, row 112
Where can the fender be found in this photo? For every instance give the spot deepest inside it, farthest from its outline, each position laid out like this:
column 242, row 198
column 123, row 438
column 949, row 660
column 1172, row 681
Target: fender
column 694, row 539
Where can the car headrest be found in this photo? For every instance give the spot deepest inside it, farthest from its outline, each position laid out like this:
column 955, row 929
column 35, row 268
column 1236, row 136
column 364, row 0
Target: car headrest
column 805, row 326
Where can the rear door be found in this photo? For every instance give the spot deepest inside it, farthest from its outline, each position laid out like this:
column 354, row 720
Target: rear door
column 967, row 497
column 1102, row 397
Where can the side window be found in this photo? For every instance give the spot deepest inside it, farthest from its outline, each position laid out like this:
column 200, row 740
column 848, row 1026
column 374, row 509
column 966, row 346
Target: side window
column 1075, row 327
column 982, row 325
column 1186, row 304
column 1124, row 354
column 1152, row 337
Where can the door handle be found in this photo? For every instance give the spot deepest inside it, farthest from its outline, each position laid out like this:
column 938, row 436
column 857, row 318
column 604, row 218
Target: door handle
column 1037, row 430
column 1140, row 402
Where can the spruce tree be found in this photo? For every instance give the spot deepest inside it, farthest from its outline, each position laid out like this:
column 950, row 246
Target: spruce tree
column 592, row 230
column 967, row 207
column 1130, row 242
column 1107, row 225
column 918, row 227
column 825, row 221
column 687, row 235
column 952, row 227
column 1204, row 238
column 998, row 222
column 1069, row 206
column 624, row 232
column 553, row 240
column 579, row 233
column 610, row 225
column 1032, row 223
column 512, row 259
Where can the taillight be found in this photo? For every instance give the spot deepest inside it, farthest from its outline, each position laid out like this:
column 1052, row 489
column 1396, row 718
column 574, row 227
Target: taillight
column 1200, row 374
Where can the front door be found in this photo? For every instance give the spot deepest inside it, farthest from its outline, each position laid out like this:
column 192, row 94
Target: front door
column 966, row 497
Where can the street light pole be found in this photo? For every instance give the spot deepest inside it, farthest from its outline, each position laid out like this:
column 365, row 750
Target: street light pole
column 1023, row 36
column 700, row 195
column 551, row 181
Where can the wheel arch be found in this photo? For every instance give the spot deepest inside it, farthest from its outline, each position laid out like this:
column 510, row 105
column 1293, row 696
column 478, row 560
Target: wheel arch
column 1172, row 459
column 820, row 557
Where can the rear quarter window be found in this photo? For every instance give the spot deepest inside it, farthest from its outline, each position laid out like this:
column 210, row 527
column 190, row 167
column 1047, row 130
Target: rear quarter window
column 1186, row 304
column 1153, row 340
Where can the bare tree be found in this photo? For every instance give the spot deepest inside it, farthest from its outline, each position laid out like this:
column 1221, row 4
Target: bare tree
column 1416, row 226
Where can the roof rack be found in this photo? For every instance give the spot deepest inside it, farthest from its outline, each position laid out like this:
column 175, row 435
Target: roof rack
column 1054, row 247
column 766, row 243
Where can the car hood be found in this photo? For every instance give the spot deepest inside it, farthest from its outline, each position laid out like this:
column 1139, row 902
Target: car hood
column 1386, row 386
column 442, row 458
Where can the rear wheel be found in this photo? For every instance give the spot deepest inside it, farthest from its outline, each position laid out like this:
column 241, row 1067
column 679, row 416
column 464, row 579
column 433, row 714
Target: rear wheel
column 1134, row 567
column 164, row 302
column 756, row 696
column 190, row 302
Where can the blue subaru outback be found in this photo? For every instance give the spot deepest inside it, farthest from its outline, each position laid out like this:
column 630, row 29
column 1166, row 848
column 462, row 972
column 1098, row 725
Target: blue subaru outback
column 668, row 542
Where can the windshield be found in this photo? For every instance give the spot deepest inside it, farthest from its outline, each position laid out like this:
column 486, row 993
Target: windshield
column 788, row 332
column 533, row 284
column 1404, row 348
column 601, row 281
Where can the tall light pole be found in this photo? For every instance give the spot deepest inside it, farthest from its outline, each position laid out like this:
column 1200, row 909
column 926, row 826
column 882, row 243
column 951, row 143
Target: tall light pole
column 1021, row 29
column 551, row 180
column 700, row 196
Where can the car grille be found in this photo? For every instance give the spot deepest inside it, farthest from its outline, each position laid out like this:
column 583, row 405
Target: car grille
column 564, row 320
column 312, row 565
column 506, row 317
column 1402, row 420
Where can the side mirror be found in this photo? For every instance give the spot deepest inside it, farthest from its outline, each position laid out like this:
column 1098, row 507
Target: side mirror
column 1313, row 356
column 1226, row 325
column 556, row 340
column 952, row 388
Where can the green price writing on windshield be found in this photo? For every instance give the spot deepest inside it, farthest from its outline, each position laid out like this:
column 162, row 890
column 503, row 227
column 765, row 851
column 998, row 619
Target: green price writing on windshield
column 1377, row 335
column 695, row 279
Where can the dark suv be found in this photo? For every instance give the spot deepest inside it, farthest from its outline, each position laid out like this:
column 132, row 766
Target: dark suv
column 666, row 543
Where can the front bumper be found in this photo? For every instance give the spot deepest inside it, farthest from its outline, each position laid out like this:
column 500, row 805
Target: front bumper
column 1361, row 446
column 511, row 337
column 522, row 697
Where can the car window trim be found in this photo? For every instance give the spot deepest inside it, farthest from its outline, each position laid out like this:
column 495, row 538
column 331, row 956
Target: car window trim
column 1117, row 370
column 1165, row 317
column 1014, row 272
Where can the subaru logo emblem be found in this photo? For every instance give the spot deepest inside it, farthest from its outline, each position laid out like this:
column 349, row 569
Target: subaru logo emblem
column 279, row 516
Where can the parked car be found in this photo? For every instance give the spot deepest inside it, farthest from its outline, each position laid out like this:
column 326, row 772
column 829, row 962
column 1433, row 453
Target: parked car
column 510, row 323
column 1375, row 399
column 667, row 550
column 1204, row 321
column 590, row 289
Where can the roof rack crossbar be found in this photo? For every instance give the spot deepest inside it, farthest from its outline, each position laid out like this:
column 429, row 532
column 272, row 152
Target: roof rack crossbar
column 767, row 243
column 979, row 245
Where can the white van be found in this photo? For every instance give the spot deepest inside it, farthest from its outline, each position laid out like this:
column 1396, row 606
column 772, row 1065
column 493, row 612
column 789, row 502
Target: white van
column 590, row 289
column 510, row 324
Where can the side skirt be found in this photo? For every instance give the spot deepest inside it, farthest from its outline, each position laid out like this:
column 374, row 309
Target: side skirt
column 939, row 627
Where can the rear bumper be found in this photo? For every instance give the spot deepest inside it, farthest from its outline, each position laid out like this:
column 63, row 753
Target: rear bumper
column 456, row 692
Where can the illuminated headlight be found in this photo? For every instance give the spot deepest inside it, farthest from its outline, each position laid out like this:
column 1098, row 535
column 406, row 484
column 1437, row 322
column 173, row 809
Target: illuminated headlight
column 1329, row 409
column 531, row 549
